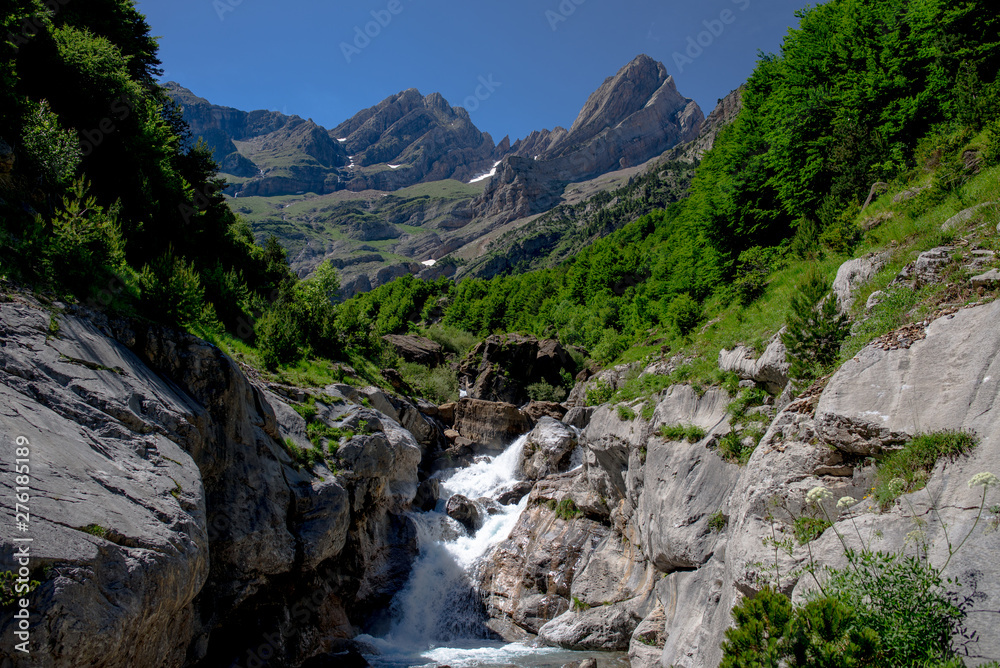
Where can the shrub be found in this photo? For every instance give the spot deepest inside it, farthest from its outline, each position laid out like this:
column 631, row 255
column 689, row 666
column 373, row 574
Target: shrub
column 625, row 413
column 452, row 339
column 679, row 432
column 993, row 144
column 718, row 522
column 9, row 588
column 599, row 392
column 279, row 337
column 815, row 332
column 683, row 313
column 567, row 510
column 542, row 391
column 439, row 385
column 53, row 151
column 808, row 529
column 172, row 291
column 907, row 470
column 753, row 268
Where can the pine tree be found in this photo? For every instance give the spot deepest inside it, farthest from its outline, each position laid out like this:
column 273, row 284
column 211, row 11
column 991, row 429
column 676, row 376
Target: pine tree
column 815, row 332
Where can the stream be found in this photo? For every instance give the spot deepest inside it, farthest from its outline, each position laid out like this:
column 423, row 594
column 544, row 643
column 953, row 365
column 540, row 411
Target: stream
column 438, row 618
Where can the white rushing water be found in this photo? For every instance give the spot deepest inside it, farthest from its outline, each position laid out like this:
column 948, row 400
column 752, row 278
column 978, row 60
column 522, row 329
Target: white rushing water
column 437, row 618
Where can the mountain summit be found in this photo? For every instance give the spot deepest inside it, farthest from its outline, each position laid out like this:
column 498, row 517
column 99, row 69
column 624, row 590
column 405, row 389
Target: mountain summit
column 635, row 116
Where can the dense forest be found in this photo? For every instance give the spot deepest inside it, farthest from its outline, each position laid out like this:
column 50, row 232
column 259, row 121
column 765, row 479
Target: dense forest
column 847, row 103
column 106, row 198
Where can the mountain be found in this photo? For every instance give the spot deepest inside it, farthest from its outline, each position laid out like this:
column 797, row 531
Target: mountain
column 411, row 181
column 404, row 140
column 633, row 117
column 420, row 139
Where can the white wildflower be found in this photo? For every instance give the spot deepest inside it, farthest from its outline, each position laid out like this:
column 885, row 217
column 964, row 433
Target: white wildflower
column 985, row 480
column 818, row 495
column 845, row 502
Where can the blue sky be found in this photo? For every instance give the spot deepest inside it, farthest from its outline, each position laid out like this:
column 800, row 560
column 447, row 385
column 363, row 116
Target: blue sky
column 543, row 57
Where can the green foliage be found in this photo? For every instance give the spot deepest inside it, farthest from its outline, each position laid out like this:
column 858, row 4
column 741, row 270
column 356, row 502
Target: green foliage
column 914, row 462
column 679, row 432
column 683, row 313
column 9, row 593
column 756, row 640
column 808, row 529
column 625, row 413
column 452, row 339
column 993, row 144
column 55, row 152
column 567, row 510
column 542, row 391
column 438, row 385
column 303, row 457
column 754, row 266
column 580, row 606
column 172, row 291
column 815, row 332
column 95, row 530
column 718, row 522
column 732, row 448
column 599, row 392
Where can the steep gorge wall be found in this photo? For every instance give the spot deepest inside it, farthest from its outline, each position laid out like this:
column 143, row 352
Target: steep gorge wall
column 647, row 504
column 169, row 524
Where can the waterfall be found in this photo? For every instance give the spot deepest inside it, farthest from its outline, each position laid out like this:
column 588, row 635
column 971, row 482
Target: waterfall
column 439, row 605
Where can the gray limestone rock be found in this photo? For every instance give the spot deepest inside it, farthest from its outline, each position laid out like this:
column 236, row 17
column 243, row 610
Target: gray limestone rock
column 854, row 274
column 547, row 449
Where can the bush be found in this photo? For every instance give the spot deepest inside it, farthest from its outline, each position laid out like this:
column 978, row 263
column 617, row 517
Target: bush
column 625, row 413
column 815, row 332
column 542, row 391
column 439, row 385
column 172, row 291
column 452, row 339
column 993, row 144
column 683, row 313
column 567, row 510
column 718, row 522
column 912, row 465
column 753, row 268
column 808, row 529
column 53, row 151
column 599, row 392
column 279, row 336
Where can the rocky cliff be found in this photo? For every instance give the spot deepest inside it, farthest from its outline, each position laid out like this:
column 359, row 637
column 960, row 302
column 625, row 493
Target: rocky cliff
column 171, row 523
column 633, row 117
column 649, row 544
column 404, row 140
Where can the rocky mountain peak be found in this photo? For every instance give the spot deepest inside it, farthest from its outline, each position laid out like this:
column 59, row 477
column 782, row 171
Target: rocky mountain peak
column 620, row 96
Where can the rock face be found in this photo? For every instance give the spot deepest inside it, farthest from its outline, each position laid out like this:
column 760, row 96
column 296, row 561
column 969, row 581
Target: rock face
column 424, row 137
column 725, row 113
column 492, row 424
column 170, row 524
column 634, row 116
column 416, row 349
column 770, row 370
column 503, row 366
column 855, row 273
column 427, row 137
column 547, row 449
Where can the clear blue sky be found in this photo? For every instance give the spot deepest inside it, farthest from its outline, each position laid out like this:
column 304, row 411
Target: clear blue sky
column 289, row 56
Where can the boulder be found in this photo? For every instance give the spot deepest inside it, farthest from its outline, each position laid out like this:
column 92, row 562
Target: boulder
column 503, row 366
column 515, row 493
column 495, row 425
column 927, row 268
column 578, row 416
column 465, row 511
column 416, row 349
column 547, row 449
column 988, row 280
column 963, row 217
column 907, row 195
column 855, row 273
column 770, row 370
column 646, row 646
column 606, row 628
column 537, row 409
